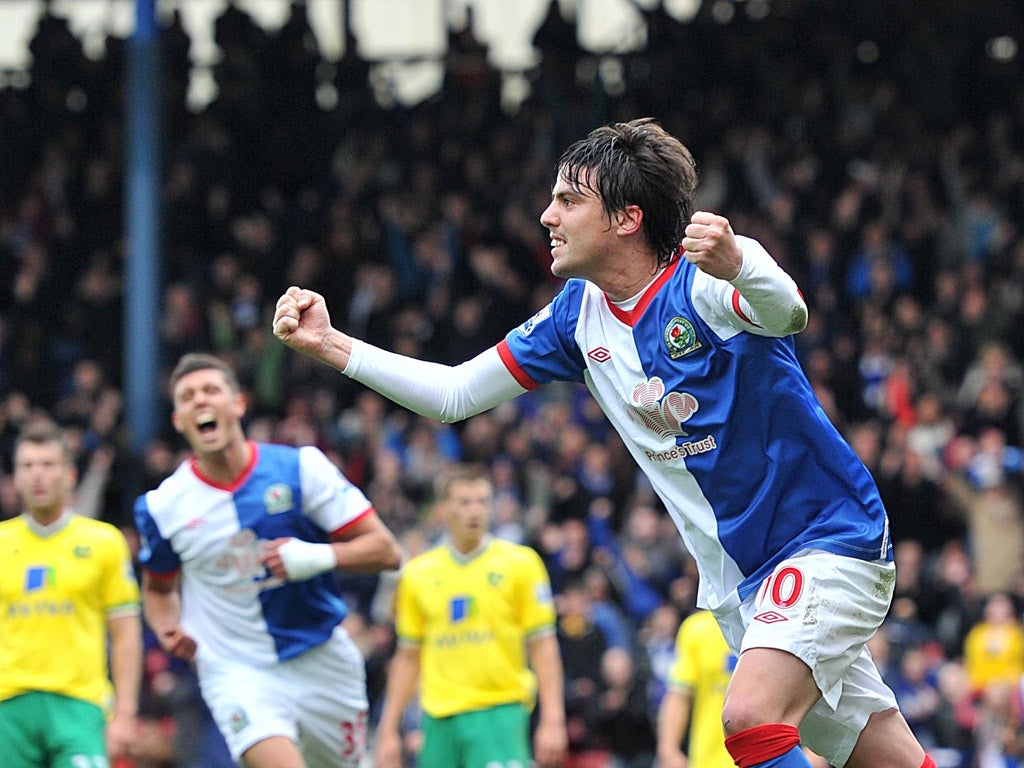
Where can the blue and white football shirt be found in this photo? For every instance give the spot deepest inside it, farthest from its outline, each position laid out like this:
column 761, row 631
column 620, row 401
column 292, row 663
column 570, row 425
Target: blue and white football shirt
column 720, row 417
column 214, row 535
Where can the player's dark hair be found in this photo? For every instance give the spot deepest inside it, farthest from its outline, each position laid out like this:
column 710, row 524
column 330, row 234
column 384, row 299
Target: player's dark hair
column 637, row 163
column 44, row 432
column 201, row 361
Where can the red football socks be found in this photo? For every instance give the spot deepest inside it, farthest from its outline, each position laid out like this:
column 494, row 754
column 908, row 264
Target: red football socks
column 776, row 745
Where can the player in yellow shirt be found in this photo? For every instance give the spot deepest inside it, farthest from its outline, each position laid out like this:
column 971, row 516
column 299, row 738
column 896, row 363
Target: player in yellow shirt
column 473, row 616
column 66, row 588
column 994, row 646
column 695, row 696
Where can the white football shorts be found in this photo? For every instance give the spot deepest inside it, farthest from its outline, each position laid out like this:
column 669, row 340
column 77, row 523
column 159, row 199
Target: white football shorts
column 318, row 700
column 823, row 608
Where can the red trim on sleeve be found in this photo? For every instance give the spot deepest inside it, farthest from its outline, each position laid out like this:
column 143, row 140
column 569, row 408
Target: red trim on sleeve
column 362, row 515
column 521, row 376
column 632, row 316
column 739, row 311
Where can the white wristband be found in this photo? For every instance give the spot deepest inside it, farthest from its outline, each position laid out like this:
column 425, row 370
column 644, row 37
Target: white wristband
column 304, row 560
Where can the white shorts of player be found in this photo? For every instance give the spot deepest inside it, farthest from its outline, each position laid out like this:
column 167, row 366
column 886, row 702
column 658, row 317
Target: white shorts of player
column 823, row 608
column 318, row 700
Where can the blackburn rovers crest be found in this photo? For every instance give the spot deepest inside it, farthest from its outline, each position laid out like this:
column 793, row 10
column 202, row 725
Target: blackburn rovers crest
column 680, row 337
column 278, row 498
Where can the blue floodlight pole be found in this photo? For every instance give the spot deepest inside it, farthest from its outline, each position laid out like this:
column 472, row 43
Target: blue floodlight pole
column 142, row 215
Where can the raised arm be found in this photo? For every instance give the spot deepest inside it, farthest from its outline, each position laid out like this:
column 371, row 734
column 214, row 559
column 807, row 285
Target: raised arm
column 301, row 321
column 759, row 291
column 447, row 393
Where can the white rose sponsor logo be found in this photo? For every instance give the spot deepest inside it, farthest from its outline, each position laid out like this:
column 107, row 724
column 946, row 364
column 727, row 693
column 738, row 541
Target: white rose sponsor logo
column 664, row 414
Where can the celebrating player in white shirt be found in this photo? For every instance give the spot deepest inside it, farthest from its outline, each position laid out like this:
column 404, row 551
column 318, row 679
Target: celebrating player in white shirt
column 682, row 332
column 239, row 550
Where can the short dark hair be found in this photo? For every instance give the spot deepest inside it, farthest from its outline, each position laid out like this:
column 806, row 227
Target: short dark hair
column 458, row 473
column 637, row 163
column 201, row 361
column 43, row 432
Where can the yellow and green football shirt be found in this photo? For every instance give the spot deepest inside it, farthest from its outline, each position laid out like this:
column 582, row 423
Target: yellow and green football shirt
column 471, row 619
column 704, row 664
column 56, row 593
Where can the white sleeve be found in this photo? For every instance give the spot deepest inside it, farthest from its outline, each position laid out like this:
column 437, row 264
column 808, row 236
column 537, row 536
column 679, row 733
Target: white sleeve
column 762, row 299
column 329, row 498
column 444, row 392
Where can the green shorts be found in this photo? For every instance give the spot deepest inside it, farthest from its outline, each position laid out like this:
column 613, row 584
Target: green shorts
column 498, row 737
column 38, row 728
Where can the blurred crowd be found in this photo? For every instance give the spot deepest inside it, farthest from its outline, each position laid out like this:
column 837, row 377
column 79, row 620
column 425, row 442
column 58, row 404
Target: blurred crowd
column 887, row 178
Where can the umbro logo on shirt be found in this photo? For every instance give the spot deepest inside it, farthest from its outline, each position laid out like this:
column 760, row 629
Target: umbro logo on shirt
column 599, row 355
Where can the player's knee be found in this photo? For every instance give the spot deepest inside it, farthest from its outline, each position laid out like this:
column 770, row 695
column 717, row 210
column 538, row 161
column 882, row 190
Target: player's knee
column 741, row 714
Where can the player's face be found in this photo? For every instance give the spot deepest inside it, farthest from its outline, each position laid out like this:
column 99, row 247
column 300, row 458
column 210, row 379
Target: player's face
column 468, row 512
column 44, row 479
column 581, row 232
column 207, row 412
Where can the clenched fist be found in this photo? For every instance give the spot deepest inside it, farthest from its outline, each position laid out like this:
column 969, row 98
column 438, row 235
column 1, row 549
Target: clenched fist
column 711, row 245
